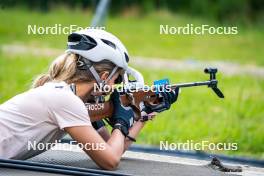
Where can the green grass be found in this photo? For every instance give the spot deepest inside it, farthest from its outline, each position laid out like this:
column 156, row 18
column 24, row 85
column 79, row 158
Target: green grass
column 16, row 74
column 141, row 35
column 198, row 115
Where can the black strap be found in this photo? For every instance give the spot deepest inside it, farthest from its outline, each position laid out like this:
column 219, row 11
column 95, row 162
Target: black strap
column 124, row 132
column 131, row 138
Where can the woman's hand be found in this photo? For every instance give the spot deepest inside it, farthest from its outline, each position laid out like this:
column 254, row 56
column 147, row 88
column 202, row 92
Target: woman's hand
column 148, row 112
column 147, row 116
column 122, row 115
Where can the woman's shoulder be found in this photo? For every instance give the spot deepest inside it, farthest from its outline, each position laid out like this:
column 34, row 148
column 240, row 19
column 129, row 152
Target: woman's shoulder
column 60, row 94
column 64, row 106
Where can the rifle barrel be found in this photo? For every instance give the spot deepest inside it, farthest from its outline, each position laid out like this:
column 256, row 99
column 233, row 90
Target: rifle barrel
column 192, row 84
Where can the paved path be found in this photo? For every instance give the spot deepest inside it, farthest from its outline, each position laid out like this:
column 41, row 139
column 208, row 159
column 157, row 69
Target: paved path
column 227, row 68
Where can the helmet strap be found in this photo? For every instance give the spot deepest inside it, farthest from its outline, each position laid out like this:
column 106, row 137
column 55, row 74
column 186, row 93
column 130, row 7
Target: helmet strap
column 112, row 74
column 86, row 64
column 97, row 77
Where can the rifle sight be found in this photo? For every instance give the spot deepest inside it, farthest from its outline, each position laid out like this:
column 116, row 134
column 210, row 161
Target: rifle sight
column 211, row 71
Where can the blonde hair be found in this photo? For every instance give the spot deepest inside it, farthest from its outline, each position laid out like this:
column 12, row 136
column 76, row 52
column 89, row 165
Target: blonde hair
column 64, row 68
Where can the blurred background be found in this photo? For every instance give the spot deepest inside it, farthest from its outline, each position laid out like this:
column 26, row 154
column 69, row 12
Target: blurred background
column 198, row 115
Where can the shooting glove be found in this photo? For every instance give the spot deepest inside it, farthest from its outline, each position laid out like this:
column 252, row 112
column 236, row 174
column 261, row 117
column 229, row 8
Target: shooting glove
column 167, row 98
column 123, row 117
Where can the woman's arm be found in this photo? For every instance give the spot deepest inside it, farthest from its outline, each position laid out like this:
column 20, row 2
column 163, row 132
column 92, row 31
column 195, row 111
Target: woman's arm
column 133, row 132
column 110, row 154
column 104, row 133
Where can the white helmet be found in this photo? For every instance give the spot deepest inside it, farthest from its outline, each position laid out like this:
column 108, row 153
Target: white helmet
column 97, row 45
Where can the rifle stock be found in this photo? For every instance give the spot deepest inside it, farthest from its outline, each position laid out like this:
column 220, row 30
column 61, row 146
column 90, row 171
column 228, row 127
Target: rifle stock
column 98, row 111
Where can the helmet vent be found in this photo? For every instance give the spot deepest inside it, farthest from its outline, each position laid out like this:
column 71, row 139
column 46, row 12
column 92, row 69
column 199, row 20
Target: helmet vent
column 127, row 58
column 109, row 43
column 74, row 37
column 80, row 42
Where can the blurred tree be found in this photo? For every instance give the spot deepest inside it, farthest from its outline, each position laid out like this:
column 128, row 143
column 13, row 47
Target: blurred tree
column 221, row 10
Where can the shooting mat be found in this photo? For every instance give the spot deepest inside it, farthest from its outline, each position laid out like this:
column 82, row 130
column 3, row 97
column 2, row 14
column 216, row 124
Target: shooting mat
column 128, row 165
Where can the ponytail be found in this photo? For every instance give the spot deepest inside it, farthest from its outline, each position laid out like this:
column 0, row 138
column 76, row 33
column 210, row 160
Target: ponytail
column 41, row 80
column 64, row 68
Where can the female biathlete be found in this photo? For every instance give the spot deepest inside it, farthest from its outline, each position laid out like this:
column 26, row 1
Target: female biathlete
column 56, row 103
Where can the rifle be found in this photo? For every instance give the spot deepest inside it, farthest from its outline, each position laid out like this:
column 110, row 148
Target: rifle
column 98, row 111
